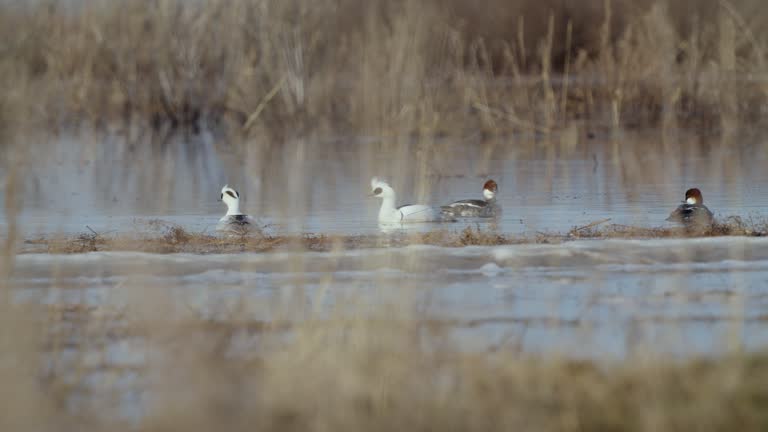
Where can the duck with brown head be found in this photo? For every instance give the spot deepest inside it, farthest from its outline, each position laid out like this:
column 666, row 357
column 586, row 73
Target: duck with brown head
column 692, row 212
column 485, row 208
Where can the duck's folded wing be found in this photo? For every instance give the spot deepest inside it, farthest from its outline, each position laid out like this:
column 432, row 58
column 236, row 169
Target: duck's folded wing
column 236, row 220
column 680, row 214
column 241, row 219
column 468, row 203
column 688, row 213
column 417, row 212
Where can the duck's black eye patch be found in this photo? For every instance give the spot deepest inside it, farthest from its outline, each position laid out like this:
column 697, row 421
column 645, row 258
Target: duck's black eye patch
column 230, row 194
column 377, row 191
column 222, row 196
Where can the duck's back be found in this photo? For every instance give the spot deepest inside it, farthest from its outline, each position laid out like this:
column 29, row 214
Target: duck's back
column 692, row 214
column 240, row 219
column 471, row 208
column 418, row 213
column 238, row 224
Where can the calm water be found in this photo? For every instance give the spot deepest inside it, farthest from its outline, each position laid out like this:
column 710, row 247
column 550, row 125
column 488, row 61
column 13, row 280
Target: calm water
column 620, row 295
column 603, row 300
column 594, row 299
column 110, row 186
column 586, row 298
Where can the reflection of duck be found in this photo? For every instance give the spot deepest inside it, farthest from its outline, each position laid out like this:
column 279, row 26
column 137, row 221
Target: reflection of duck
column 388, row 213
column 692, row 212
column 234, row 220
column 474, row 207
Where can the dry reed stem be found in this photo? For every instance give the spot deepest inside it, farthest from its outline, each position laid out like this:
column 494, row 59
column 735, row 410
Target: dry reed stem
column 276, row 70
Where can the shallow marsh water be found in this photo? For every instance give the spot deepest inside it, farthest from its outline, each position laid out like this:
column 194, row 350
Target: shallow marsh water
column 597, row 299
column 585, row 298
column 603, row 300
column 113, row 185
column 619, row 294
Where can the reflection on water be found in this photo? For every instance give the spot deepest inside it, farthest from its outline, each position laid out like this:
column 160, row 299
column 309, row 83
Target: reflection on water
column 670, row 295
column 108, row 184
column 594, row 299
column 113, row 184
column 602, row 300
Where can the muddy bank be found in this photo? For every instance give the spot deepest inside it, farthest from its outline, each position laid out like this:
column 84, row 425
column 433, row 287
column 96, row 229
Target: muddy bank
column 170, row 238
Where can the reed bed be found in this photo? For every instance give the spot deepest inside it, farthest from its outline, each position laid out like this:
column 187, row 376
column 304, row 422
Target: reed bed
column 282, row 69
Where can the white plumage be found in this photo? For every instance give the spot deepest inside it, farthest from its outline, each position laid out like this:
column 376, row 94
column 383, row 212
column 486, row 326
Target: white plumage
column 388, row 213
column 234, row 220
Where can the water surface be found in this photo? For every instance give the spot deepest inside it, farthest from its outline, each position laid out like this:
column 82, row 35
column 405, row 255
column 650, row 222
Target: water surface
column 620, row 295
column 112, row 185
column 606, row 299
column 587, row 298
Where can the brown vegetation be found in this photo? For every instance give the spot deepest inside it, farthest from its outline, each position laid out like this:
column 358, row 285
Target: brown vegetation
column 291, row 68
column 174, row 239
column 732, row 226
column 386, row 372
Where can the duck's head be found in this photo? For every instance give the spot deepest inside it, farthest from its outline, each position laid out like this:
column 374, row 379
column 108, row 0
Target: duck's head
column 489, row 190
column 230, row 196
column 693, row 196
column 381, row 189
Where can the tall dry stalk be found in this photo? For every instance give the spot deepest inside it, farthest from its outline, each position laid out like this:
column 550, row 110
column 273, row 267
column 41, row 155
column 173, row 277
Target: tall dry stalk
column 270, row 70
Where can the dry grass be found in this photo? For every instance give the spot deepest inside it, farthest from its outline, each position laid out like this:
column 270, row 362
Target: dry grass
column 380, row 389
column 733, row 226
column 174, row 239
column 208, row 243
column 388, row 373
column 350, row 368
column 277, row 69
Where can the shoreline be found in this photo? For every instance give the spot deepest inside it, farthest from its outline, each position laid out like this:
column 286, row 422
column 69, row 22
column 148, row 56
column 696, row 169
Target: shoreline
column 175, row 239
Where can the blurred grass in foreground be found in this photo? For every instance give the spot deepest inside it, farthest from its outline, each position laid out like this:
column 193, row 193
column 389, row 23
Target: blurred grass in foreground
column 380, row 372
column 380, row 366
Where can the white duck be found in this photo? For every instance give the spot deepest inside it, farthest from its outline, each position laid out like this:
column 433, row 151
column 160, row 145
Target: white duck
column 388, row 213
column 234, row 220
